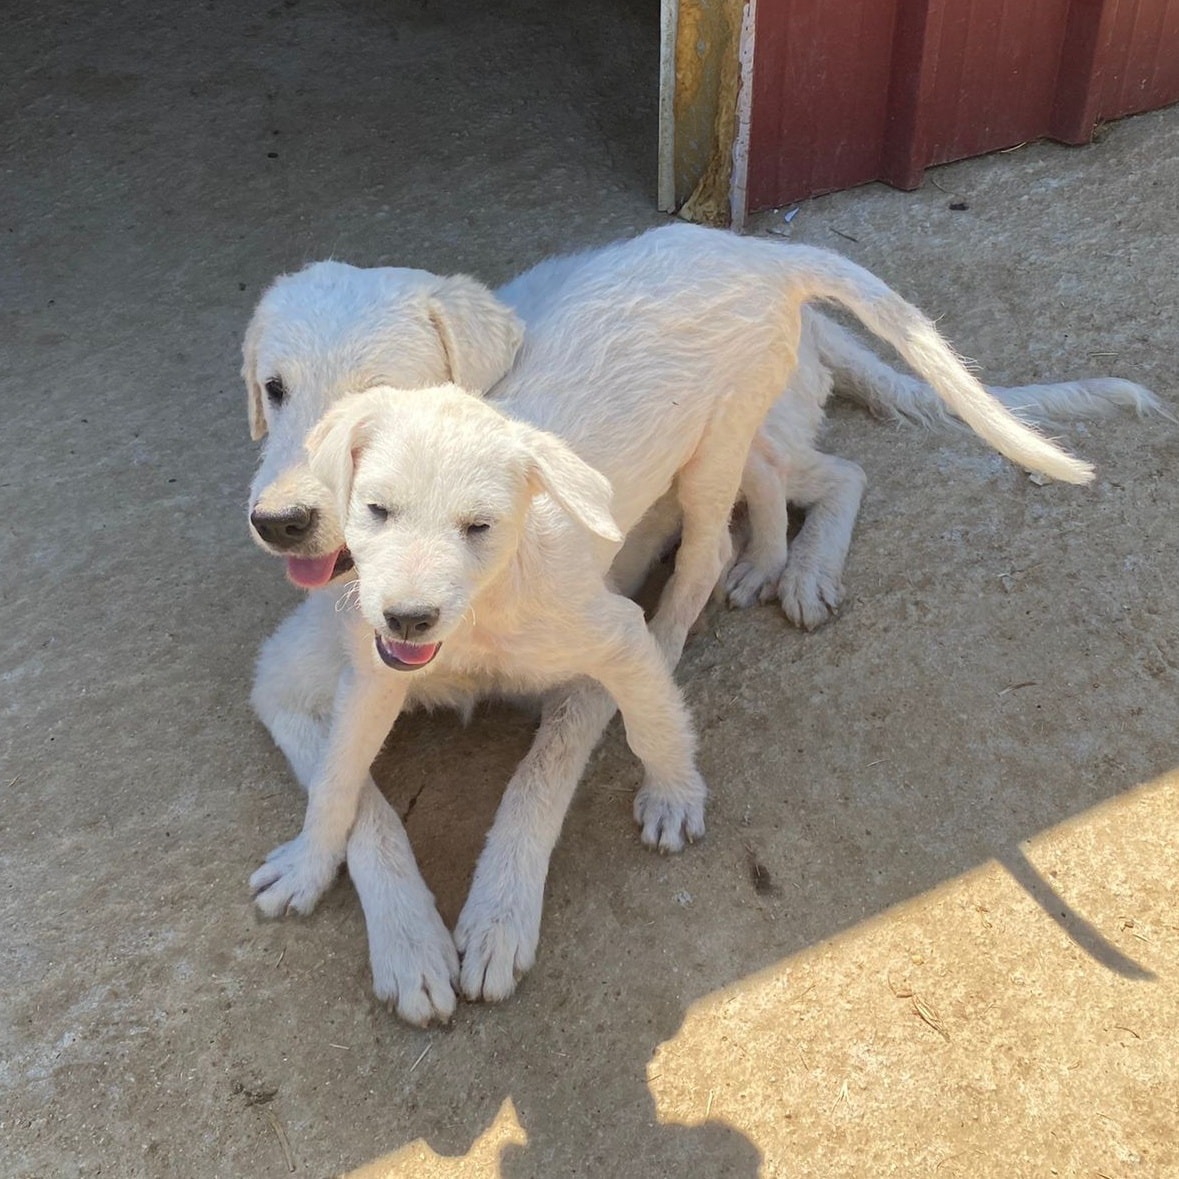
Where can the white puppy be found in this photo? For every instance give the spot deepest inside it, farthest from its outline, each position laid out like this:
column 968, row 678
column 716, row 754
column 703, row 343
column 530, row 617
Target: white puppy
column 656, row 359
column 474, row 540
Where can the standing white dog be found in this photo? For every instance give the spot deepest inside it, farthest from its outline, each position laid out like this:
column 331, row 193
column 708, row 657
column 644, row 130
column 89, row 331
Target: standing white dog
column 699, row 331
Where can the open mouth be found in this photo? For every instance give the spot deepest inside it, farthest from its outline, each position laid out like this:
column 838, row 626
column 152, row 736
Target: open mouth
column 314, row 572
column 405, row 656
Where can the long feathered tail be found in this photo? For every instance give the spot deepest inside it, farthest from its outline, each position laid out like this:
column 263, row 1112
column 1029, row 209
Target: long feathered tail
column 816, row 274
column 861, row 376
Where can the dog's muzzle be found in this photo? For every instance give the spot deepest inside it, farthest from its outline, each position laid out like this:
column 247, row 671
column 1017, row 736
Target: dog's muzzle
column 293, row 528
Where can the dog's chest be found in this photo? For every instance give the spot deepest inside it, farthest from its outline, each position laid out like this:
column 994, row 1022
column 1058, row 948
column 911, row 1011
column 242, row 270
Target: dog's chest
column 513, row 660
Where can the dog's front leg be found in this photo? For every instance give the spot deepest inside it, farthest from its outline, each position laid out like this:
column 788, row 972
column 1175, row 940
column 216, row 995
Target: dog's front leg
column 296, row 874
column 297, row 678
column 633, row 667
column 412, row 955
column 830, row 488
column 414, row 962
column 499, row 927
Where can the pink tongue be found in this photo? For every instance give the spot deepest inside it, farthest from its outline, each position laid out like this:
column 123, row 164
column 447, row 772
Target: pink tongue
column 311, row 572
column 415, row 654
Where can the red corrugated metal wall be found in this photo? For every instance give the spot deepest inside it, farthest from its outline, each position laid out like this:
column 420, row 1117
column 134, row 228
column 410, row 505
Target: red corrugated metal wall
column 856, row 90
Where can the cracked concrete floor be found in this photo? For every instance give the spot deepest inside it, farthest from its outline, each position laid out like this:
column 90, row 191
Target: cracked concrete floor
column 933, row 927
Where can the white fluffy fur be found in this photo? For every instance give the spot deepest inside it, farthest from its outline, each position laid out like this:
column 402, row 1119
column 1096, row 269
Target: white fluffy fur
column 657, row 360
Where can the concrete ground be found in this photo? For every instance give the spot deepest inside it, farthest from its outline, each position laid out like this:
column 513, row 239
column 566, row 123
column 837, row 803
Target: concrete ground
column 933, row 928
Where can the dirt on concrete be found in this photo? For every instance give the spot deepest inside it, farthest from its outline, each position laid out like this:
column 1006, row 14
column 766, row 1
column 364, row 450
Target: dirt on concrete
column 932, row 930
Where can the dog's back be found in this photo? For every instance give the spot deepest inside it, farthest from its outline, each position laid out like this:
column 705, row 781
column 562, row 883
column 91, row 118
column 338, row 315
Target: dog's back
column 630, row 349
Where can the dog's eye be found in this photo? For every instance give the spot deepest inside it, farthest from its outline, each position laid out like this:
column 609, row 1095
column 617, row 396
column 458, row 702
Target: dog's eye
column 378, row 512
column 477, row 528
column 276, row 391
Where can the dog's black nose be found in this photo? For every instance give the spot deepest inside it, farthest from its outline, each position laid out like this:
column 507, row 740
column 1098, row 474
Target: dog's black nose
column 285, row 529
column 410, row 625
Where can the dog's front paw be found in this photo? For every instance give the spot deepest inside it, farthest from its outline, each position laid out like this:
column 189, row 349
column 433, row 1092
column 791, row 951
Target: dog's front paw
column 809, row 596
column 497, row 936
column 671, row 814
column 295, row 876
column 749, row 582
column 414, row 961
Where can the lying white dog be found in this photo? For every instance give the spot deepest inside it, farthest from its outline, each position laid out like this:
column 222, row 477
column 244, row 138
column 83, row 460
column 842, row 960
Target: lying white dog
column 478, row 542
column 681, row 317
column 332, row 329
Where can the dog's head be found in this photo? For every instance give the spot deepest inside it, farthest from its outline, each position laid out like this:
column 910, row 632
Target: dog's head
column 436, row 488
column 330, row 331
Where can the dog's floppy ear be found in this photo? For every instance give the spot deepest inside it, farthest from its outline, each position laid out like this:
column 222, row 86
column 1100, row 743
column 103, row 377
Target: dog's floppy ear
column 479, row 333
column 585, row 493
column 254, row 391
column 335, row 443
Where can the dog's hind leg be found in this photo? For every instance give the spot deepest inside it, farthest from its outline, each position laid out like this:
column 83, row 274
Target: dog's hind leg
column 707, row 487
column 786, row 434
column 754, row 576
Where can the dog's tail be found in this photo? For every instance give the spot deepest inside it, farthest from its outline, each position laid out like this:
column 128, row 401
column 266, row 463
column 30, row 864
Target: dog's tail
column 829, row 276
column 861, row 376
